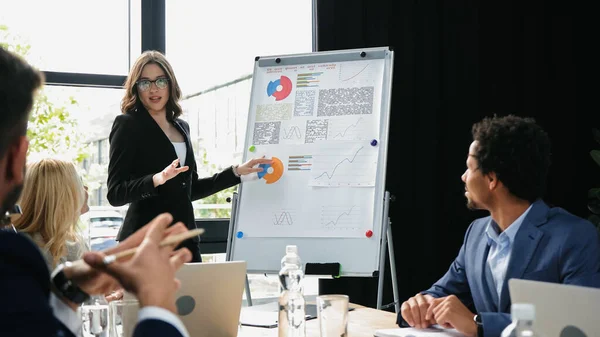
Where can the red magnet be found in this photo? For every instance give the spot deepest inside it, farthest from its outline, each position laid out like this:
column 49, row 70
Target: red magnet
column 369, row 233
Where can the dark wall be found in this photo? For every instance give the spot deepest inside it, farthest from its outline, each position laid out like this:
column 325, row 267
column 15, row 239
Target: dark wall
column 456, row 62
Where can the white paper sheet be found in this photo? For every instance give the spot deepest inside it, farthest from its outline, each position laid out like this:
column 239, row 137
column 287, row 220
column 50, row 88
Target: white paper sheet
column 412, row 332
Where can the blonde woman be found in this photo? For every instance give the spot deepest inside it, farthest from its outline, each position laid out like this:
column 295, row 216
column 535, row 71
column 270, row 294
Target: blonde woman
column 53, row 198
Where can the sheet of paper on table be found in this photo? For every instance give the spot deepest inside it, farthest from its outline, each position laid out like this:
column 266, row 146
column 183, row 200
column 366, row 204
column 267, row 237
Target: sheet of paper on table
column 412, row 332
column 261, row 319
column 266, row 316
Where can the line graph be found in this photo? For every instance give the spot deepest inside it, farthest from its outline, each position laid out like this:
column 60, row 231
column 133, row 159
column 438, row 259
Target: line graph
column 353, row 76
column 293, row 131
column 342, row 134
column 283, row 218
column 329, row 176
column 355, row 71
column 349, row 128
column 341, row 217
column 339, row 164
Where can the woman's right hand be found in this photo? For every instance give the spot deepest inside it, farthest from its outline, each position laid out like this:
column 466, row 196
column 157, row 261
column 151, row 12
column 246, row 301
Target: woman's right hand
column 168, row 173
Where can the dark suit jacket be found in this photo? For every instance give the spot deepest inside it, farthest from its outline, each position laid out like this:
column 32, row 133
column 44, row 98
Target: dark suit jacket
column 551, row 245
column 25, row 286
column 138, row 150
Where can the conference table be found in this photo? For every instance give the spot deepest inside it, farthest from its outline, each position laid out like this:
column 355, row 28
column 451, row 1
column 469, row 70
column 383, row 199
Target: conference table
column 362, row 322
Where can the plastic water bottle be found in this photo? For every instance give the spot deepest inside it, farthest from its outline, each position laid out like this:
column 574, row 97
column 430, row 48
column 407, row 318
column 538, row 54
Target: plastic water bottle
column 292, row 312
column 94, row 316
column 523, row 316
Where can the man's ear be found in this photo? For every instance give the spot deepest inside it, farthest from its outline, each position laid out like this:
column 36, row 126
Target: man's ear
column 492, row 181
column 17, row 158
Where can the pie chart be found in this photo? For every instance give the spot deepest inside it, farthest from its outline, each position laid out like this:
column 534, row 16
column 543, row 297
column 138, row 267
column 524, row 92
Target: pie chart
column 280, row 88
column 271, row 172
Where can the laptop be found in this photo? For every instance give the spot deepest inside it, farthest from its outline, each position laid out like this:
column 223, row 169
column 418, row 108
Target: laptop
column 210, row 298
column 561, row 310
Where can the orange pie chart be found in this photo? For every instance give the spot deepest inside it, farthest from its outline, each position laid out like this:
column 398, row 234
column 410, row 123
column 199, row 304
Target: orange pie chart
column 272, row 172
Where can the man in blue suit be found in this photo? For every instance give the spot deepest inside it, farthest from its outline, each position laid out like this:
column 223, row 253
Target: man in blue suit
column 33, row 305
column 523, row 238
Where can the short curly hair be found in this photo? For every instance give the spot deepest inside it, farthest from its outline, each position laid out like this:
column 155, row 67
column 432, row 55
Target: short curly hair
column 517, row 150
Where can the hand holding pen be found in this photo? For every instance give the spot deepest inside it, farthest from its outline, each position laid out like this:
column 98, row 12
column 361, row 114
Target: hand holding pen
column 149, row 272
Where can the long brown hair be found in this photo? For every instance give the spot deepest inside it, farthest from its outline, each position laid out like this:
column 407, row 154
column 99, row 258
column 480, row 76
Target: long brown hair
column 131, row 100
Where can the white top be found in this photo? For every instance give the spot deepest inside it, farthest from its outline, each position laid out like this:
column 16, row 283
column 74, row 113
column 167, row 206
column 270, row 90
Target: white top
column 181, row 151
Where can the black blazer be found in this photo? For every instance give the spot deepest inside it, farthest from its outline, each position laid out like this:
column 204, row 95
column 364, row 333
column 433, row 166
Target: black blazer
column 25, row 282
column 25, row 301
column 138, row 150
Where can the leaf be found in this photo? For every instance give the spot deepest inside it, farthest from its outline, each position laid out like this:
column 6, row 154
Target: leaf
column 596, row 134
column 594, row 192
column 594, row 219
column 594, row 206
column 596, row 156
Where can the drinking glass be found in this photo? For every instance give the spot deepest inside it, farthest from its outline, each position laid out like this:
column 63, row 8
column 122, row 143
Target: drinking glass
column 332, row 312
column 124, row 316
column 94, row 317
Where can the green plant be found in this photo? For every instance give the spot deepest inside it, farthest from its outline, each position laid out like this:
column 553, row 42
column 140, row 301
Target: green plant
column 52, row 131
column 215, row 200
column 594, row 193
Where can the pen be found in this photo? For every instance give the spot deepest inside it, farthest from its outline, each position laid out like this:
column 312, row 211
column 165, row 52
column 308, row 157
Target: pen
column 170, row 240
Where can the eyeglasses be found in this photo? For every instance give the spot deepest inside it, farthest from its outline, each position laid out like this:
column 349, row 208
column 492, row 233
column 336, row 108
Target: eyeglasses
column 144, row 85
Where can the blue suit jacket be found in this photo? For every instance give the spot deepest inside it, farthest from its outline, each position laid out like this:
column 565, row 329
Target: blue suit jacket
column 25, row 293
column 552, row 245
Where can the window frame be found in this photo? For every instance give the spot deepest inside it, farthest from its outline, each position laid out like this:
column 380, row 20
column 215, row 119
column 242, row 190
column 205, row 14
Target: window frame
column 153, row 35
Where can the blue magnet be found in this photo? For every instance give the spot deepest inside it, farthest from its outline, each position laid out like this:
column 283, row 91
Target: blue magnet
column 240, row 234
column 374, row 142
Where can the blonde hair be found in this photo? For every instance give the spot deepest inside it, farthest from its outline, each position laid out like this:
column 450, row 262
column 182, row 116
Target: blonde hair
column 131, row 100
column 51, row 202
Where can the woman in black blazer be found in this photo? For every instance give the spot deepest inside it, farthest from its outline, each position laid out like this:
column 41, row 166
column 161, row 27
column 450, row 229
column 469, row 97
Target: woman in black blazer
column 152, row 164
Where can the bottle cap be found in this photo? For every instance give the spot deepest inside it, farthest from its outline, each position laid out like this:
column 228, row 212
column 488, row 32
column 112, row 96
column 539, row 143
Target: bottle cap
column 524, row 311
column 291, row 249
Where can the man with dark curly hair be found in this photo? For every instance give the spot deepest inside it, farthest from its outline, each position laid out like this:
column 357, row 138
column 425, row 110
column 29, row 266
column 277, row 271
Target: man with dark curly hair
column 523, row 237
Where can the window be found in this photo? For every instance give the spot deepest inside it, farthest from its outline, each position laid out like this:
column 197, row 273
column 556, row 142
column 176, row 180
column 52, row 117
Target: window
column 75, row 36
column 92, row 112
column 209, row 44
column 212, row 50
